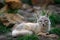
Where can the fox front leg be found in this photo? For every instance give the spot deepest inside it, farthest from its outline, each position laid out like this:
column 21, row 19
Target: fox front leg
column 42, row 34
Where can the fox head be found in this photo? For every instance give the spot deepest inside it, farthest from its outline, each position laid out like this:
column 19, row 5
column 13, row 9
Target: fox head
column 44, row 21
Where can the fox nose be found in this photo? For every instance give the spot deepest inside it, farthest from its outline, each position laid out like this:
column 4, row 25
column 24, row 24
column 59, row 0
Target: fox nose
column 43, row 24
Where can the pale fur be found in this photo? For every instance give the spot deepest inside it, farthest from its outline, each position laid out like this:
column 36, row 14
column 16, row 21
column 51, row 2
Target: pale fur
column 29, row 28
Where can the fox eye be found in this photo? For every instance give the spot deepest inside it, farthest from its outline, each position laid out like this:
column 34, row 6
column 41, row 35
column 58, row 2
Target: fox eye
column 46, row 21
column 40, row 21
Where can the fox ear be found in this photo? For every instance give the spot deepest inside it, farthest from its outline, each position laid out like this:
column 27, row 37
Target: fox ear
column 47, row 13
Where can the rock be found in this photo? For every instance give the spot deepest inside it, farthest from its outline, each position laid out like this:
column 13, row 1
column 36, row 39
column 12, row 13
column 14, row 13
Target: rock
column 11, row 19
column 2, row 37
column 42, row 3
column 14, row 4
column 55, row 8
column 25, row 6
column 27, row 15
column 1, row 1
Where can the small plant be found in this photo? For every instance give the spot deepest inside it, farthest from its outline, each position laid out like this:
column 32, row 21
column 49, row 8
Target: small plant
column 59, row 38
column 12, row 10
column 57, row 1
column 3, row 28
column 55, row 31
column 28, row 37
column 55, row 19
